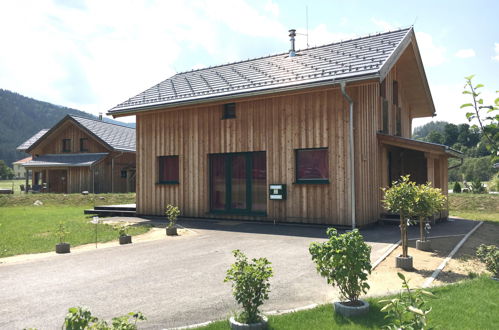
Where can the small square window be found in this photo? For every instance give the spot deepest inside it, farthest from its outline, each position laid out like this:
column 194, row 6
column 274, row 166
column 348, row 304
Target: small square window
column 312, row 166
column 83, row 144
column 229, row 111
column 66, row 145
column 123, row 174
column 168, row 169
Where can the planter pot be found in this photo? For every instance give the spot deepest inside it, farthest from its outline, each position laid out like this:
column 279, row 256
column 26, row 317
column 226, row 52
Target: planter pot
column 171, row 231
column 423, row 245
column 349, row 311
column 127, row 239
column 234, row 325
column 403, row 262
column 62, row 248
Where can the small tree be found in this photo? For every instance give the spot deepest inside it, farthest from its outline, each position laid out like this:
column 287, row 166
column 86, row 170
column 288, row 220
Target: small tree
column 428, row 201
column 172, row 213
column 399, row 198
column 250, row 285
column 457, row 188
column 61, row 232
column 345, row 261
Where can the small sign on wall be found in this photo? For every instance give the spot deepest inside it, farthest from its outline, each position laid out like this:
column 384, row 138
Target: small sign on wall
column 277, row 191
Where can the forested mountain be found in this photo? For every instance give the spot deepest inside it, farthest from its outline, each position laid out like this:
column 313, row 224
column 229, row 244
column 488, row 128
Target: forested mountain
column 21, row 117
column 468, row 139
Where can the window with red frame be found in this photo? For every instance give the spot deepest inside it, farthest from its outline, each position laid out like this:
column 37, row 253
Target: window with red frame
column 312, row 166
column 168, row 169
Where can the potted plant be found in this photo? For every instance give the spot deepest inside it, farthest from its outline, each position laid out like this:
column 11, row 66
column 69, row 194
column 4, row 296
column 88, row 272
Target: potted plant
column 345, row 261
column 250, row 287
column 122, row 234
column 172, row 213
column 400, row 198
column 428, row 201
column 61, row 233
column 489, row 255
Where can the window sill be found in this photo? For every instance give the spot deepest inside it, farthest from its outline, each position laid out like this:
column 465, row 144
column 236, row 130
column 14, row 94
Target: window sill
column 167, row 182
column 312, row 181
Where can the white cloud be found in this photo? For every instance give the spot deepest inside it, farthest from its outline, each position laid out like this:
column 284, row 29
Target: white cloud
column 100, row 53
column 496, row 50
column 465, row 53
column 432, row 55
column 383, row 25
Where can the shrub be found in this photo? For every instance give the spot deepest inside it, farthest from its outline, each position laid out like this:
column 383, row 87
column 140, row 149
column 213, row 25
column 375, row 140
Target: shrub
column 477, row 187
column 457, row 188
column 428, row 201
column 61, row 232
column 399, row 198
column 122, row 230
column 408, row 310
column 489, row 255
column 172, row 213
column 80, row 318
column 344, row 260
column 250, row 285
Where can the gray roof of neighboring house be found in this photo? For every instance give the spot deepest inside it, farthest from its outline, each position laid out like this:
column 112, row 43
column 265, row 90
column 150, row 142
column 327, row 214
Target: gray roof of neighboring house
column 361, row 58
column 29, row 142
column 65, row 160
column 115, row 136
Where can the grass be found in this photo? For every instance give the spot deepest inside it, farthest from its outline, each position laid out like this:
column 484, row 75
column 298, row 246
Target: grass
column 25, row 228
column 8, row 184
column 471, row 304
column 475, row 206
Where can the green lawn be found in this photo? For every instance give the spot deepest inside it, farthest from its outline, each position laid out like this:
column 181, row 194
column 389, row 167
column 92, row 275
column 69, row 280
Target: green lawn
column 475, row 206
column 25, row 228
column 471, row 304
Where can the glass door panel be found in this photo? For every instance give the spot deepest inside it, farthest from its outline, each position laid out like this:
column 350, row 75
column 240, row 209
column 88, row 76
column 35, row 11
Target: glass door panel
column 238, row 182
column 259, row 182
column 218, row 183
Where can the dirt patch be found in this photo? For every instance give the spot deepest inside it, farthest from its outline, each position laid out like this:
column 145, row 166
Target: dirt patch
column 465, row 262
column 384, row 278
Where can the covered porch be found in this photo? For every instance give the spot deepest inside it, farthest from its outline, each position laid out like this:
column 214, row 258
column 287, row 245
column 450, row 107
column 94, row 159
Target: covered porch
column 56, row 173
column 423, row 161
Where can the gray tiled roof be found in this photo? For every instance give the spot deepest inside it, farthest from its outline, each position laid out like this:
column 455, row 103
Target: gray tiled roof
column 65, row 160
column 356, row 58
column 29, row 142
column 117, row 136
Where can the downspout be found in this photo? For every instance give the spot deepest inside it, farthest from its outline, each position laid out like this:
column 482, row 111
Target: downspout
column 458, row 165
column 351, row 150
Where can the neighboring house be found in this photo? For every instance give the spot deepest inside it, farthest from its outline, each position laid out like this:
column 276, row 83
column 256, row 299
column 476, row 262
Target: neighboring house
column 82, row 154
column 269, row 138
column 19, row 171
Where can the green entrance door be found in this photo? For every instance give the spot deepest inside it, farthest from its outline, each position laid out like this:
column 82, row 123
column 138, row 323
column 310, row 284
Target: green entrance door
column 238, row 183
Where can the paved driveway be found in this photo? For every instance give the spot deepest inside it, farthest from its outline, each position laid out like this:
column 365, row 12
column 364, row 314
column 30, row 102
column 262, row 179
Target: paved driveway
column 173, row 282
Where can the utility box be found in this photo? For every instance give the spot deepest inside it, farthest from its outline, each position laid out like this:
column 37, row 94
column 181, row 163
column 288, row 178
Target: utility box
column 277, row 191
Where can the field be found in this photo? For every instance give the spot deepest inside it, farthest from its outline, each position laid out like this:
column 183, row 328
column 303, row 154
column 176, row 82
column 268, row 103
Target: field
column 27, row 228
column 9, row 184
column 475, row 206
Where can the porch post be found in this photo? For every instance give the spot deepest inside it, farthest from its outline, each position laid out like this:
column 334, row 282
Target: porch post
column 27, row 180
column 430, row 168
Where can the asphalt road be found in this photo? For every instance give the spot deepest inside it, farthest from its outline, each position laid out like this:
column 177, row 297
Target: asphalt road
column 173, row 282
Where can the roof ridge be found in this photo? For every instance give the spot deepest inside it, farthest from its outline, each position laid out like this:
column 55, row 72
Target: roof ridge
column 285, row 53
column 102, row 121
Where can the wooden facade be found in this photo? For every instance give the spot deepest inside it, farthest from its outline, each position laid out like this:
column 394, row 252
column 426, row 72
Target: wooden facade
column 114, row 173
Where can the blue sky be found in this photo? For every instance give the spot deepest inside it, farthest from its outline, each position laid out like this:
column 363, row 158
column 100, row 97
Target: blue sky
column 92, row 55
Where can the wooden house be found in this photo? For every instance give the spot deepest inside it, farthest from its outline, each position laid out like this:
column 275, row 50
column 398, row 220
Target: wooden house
column 82, row 154
column 306, row 136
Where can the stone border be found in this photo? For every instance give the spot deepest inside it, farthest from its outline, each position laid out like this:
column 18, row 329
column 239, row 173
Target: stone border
column 437, row 271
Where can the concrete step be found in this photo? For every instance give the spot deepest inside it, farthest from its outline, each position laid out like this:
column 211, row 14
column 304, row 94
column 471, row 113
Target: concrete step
column 111, row 213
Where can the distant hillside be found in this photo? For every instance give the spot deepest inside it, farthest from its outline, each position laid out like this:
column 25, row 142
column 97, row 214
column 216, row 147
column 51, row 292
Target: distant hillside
column 21, row 117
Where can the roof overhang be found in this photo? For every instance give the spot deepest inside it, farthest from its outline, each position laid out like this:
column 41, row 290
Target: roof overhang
column 431, row 148
column 63, row 160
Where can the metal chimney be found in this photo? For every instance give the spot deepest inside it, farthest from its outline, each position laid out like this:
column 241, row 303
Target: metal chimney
column 100, row 116
column 292, row 35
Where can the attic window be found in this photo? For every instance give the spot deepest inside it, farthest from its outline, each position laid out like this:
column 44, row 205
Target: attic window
column 229, row 111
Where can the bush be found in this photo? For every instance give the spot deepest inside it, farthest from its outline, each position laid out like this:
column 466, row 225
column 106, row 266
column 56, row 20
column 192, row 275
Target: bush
column 457, row 188
column 80, row 318
column 489, row 255
column 345, row 261
column 172, row 213
column 477, row 187
column 408, row 310
column 250, row 285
